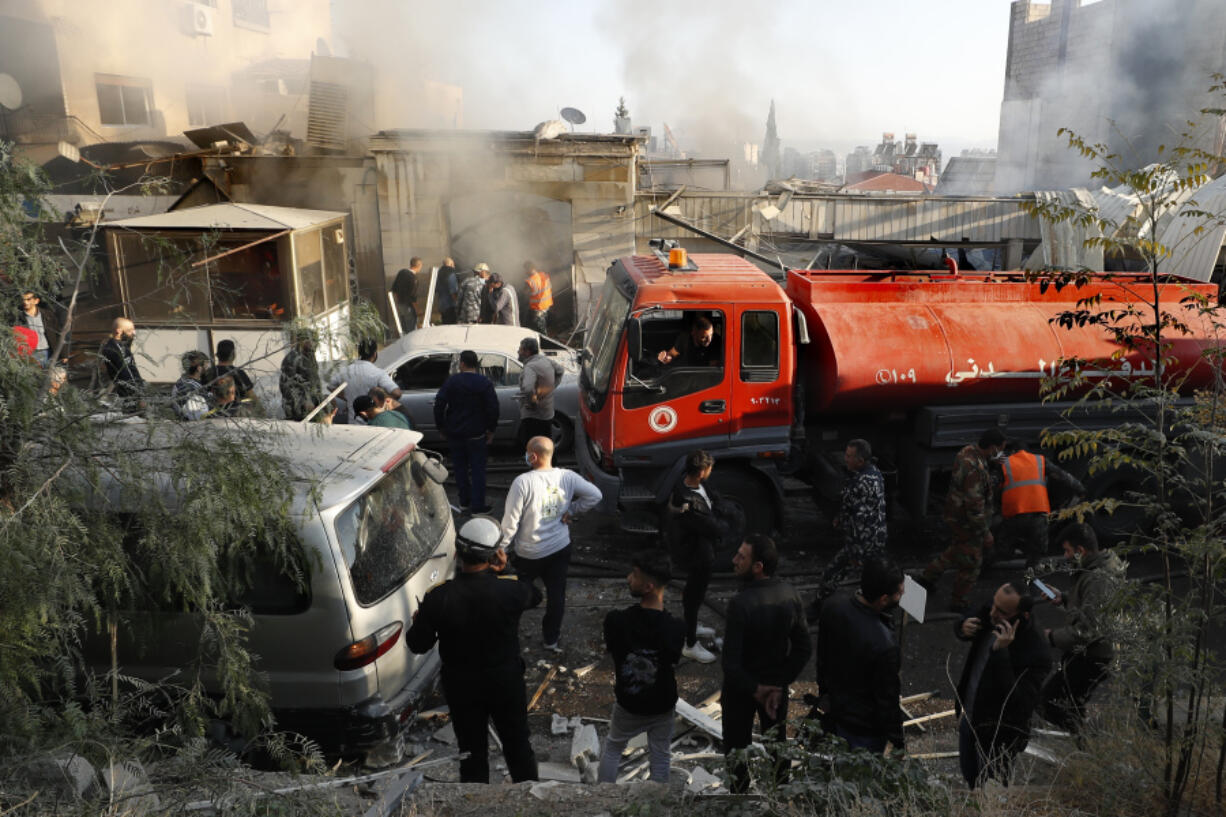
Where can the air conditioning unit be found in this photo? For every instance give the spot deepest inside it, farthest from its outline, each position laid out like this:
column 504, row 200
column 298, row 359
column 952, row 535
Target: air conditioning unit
column 198, row 19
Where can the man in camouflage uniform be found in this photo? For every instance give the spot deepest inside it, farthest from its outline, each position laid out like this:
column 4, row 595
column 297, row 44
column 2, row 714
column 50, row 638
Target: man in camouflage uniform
column 968, row 512
column 861, row 517
column 469, row 296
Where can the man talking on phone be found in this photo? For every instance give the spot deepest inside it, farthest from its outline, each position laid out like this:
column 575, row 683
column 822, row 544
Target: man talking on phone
column 1000, row 685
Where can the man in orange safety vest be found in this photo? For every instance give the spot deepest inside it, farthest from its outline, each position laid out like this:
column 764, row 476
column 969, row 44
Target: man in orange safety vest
column 1025, row 503
column 540, row 298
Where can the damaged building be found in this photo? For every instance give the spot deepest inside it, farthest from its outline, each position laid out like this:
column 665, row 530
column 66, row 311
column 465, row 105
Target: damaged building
column 1125, row 73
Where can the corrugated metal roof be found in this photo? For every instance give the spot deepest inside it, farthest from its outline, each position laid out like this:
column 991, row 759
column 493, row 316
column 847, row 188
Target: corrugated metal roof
column 232, row 216
column 1194, row 255
column 854, row 218
column 1063, row 242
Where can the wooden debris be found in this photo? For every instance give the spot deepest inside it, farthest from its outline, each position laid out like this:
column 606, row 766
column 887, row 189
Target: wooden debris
column 582, row 671
column 925, row 718
column 933, row 755
column 540, row 690
column 914, row 699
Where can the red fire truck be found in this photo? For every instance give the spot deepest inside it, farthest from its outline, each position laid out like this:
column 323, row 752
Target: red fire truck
column 917, row 363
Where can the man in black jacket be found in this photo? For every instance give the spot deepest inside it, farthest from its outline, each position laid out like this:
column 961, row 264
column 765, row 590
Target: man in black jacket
column 698, row 523
column 120, row 365
column 765, row 648
column 1000, row 684
column 46, row 324
column 466, row 410
column 645, row 643
column 475, row 620
column 857, row 661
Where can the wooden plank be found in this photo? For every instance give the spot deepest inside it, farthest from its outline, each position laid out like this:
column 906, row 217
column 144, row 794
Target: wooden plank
column 540, row 690
column 925, row 718
column 933, row 755
column 913, row 699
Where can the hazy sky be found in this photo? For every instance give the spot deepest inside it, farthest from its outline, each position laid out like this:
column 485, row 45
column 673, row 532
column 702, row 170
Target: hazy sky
column 840, row 73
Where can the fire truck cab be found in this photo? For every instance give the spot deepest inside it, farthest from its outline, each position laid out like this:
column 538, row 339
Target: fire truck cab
column 676, row 361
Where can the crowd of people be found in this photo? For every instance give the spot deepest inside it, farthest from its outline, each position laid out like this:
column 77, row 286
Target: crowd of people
column 1007, row 676
column 481, row 296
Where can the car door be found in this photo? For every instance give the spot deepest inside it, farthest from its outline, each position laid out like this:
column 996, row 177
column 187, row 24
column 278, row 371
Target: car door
column 419, row 379
column 504, row 373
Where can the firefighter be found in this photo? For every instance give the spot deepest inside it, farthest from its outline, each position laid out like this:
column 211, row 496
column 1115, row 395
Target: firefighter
column 475, row 620
column 1025, row 500
column 968, row 514
column 540, row 298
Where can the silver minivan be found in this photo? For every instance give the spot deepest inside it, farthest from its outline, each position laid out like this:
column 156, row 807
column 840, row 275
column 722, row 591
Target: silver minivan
column 375, row 527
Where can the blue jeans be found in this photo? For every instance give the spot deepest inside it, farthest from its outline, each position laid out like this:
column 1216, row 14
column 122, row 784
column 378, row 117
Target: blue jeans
column 552, row 570
column 469, row 455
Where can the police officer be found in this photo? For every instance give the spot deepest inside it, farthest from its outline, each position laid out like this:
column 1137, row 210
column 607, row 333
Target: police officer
column 475, row 619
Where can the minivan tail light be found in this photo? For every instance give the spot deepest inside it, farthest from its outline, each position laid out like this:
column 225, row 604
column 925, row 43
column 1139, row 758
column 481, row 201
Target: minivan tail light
column 360, row 653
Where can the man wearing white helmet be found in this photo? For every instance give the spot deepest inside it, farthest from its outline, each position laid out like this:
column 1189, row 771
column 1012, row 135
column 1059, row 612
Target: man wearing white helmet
column 475, row 620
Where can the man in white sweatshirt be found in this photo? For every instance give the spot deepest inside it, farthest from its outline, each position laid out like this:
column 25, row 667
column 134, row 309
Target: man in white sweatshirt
column 539, row 507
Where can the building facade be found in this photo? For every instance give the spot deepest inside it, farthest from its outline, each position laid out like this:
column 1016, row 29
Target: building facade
column 140, row 70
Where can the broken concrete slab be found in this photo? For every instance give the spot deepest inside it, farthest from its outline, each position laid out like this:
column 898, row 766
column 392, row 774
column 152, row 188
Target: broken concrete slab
column 559, row 725
column 687, row 712
column 585, row 752
column 128, row 788
column 445, row 735
column 558, row 772
column 70, row 777
column 701, row 780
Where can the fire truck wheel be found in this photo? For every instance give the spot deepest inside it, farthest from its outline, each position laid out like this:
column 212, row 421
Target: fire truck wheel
column 563, row 434
column 749, row 492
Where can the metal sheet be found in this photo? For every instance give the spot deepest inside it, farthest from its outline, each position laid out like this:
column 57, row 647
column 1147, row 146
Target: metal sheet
column 232, row 216
column 1193, row 254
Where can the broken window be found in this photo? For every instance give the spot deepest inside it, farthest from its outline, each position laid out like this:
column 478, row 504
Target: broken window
column 251, row 13
column 123, row 100
column 206, row 105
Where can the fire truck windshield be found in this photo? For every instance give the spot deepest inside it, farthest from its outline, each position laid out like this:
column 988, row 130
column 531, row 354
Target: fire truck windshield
column 601, row 345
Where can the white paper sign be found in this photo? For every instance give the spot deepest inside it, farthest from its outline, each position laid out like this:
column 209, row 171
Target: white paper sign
column 914, row 598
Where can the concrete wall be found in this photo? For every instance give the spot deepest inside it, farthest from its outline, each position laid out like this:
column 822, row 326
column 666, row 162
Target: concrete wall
column 422, row 174
column 1126, row 73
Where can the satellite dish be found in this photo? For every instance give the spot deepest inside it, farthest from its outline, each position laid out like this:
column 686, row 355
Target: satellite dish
column 321, row 47
column 573, row 116
column 10, row 93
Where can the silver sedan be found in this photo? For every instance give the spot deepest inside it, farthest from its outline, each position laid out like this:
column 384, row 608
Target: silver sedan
column 421, row 361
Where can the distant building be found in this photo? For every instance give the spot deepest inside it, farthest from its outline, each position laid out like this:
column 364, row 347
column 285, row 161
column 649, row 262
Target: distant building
column 859, row 160
column 1126, row 73
column 819, row 165
column 878, row 181
column 971, row 174
column 910, row 157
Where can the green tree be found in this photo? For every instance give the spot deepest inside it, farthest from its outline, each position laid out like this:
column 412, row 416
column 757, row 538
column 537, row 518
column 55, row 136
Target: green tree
column 1170, row 443
column 87, row 532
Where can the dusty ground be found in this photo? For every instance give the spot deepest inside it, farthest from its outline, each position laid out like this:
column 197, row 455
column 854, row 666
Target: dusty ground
column 583, row 686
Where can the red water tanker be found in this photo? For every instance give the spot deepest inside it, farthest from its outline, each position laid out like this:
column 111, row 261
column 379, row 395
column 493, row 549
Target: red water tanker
column 917, row 363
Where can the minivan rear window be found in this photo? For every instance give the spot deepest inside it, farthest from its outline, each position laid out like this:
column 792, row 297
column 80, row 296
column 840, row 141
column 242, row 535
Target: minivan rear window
column 391, row 530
